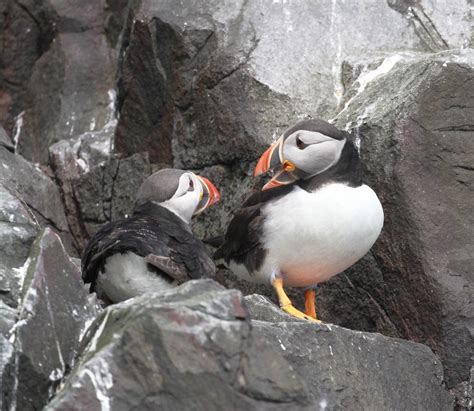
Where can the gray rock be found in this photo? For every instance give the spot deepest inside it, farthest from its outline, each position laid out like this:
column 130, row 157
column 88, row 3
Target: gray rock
column 53, row 315
column 27, row 29
column 69, row 85
column 5, row 140
column 34, row 187
column 18, row 229
column 261, row 308
column 414, row 125
column 72, row 159
column 464, row 393
column 96, row 185
column 191, row 348
column 6, row 351
column 195, row 78
column 235, row 183
column 346, row 369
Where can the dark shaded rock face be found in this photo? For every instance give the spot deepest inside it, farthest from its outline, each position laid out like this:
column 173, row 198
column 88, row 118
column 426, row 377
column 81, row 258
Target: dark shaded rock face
column 191, row 349
column 5, row 140
column 27, row 182
column 18, row 229
column 417, row 144
column 64, row 64
column 53, row 313
column 195, row 348
column 344, row 369
column 96, row 186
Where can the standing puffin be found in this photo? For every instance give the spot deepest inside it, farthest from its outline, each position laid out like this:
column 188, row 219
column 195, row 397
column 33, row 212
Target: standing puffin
column 312, row 220
column 154, row 249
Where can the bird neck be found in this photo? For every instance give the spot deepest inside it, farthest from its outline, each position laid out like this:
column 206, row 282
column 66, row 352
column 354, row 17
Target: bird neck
column 159, row 212
column 347, row 170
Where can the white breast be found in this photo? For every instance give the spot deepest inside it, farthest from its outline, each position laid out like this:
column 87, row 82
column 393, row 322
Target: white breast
column 127, row 275
column 314, row 236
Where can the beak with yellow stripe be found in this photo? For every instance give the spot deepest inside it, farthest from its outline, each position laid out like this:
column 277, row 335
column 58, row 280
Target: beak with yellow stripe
column 209, row 195
column 304, row 150
column 272, row 159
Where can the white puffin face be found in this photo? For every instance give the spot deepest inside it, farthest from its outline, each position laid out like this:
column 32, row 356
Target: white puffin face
column 192, row 196
column 312, row 152
column 187, row 197
column 303, row 151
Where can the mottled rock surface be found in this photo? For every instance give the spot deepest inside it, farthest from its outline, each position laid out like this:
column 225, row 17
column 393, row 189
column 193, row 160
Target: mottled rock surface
column 194, row 347
column 96, row 185
column 417, row 143
column 34, row 187
column 197, row 75
column 190, row 348
column 5, row 140
column 18, row 230
column 345, row 369
column 53, row 314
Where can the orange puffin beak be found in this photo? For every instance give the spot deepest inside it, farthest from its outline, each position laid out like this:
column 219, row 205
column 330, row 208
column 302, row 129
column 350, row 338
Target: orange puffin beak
column 209, row 195
column 271, row 159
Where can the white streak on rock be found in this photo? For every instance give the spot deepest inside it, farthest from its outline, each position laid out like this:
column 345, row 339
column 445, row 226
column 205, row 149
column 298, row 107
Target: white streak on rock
column 17, row 129
column 12, row 330
column 56, row 374
column 367, row 76
column 98, row 333
column 102, row 381
column 83, row 165
column 53, row 326
column 112, row 102
column 360, row 121
column 73, row 121
column 85, row 327
column 20, row 272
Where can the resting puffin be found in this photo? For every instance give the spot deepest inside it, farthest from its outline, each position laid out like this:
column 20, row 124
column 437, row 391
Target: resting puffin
column 154, row 249
column 312, row 220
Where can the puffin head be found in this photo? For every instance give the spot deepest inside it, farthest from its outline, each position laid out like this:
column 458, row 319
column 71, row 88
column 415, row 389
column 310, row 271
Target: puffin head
column 304, row 150
column 182, row 192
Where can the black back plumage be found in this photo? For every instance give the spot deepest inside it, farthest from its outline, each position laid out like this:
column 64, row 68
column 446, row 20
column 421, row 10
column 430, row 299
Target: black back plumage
column 152, row 229
column 243, row 238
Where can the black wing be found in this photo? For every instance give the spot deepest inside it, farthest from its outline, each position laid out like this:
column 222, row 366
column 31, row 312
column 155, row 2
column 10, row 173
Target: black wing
column 152, row 230
column 243, row 238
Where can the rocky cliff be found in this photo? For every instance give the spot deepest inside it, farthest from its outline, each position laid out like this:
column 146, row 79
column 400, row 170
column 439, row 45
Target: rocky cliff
column 96, row 95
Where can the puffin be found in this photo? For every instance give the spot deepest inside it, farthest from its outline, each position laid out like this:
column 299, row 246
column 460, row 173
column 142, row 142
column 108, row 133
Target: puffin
column 312, row 220
column 154, row 249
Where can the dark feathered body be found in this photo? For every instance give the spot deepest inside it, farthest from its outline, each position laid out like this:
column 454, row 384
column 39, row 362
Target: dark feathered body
column 152, row 230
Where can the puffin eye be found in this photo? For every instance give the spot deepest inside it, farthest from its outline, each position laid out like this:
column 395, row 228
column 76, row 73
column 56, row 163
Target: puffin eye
column 191, row 185
column 300, row 143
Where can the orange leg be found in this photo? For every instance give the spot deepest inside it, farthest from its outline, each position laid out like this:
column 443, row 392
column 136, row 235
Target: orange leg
column 310, row 303
column 286, row 304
